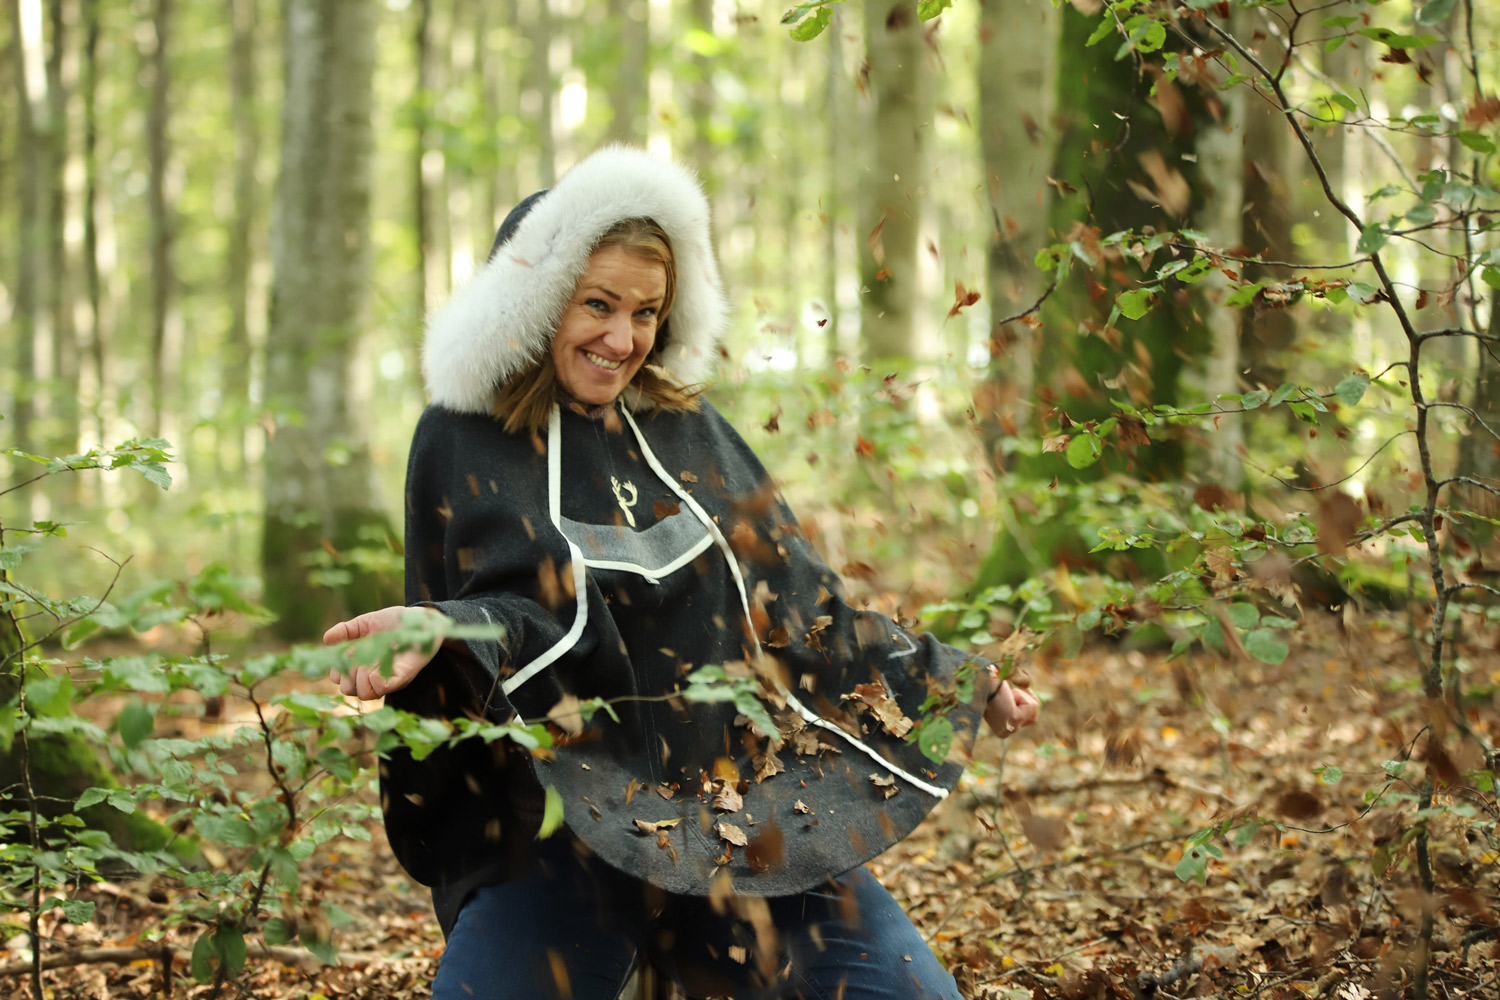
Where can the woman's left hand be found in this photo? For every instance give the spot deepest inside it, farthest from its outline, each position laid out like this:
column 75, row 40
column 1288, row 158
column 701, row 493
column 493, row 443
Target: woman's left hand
column 1011, row 708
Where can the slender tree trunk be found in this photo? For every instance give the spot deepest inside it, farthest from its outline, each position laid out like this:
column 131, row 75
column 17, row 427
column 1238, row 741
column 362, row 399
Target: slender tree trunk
column 31, row 87
column 537, row 99
column 92, row 283
column 891, row 196
column 1018, row 55
column 319, row 479
column 421, row 99
column 242, row 86
column 835, row 186
column 158, row 111
column 701, row 97
column 62, row 76
column 627, row 92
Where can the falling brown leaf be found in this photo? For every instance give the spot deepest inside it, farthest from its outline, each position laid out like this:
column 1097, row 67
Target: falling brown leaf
column 768, row 849
column 646, row 826
column 731, row 833
column 881, row 705
column 801, row 807
column 631, row 787
column 767, row 765
column 1046, row 833
column 688, row 477
column 665, row 791
column 1058, row 442
column 728, row 800
column 1339, row 517
column 887, row 784
column 962, row 298
column 664, row 510
column 1212, row 496
column 773, row 425
column 1297, row 804
column 566, row 715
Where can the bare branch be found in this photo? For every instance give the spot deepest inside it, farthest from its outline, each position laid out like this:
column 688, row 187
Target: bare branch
column 1033, row 308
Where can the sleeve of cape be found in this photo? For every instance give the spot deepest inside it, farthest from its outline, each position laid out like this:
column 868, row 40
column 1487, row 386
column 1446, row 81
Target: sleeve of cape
column 471, row 554
column 824, row 645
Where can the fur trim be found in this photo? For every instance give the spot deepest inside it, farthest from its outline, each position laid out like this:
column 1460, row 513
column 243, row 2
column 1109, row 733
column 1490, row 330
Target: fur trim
column 504, row 318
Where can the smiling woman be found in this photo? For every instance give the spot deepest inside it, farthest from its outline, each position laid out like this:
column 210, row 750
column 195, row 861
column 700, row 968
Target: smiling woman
column 569, row 485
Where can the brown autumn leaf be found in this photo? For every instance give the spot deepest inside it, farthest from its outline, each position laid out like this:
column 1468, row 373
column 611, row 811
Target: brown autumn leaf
column 962, row 298
column 1046, row 833
column 566, row 715
column 767, row 850
column 646, row 826
column 554, row 585
column 1339, row 517
column 631, row 787
column 886, row 784
column 688, row 477
column 864, row 448
column 801, row 807
column 767, row 765
column 883, row 707
column 1058, row 442
column 1212, row 496
column 664, row 510
column 728, row 800
column 1294, row 803
column 773, row 425
column 731, row 833
column 779, row 638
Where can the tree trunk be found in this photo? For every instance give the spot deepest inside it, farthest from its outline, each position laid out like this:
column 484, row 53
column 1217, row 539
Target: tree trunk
column 701, row 97
column 244, row 18
column 835, row 186
column 94, row 341
column 62, row 77
column 627, row 91
column 537, row 99
column 31, row 88
column 891, row 195
column 421, row 104
column 162, row 367
column 1018, row 55
column 319, row 482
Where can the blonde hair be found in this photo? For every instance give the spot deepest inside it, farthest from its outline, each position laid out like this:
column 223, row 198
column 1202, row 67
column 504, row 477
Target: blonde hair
column 525, row 401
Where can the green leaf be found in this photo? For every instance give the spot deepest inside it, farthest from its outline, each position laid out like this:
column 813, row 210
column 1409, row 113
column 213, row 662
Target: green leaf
column 1436, row 11
column 1264, row 645
column 1477, row 141
column 1083, row 450
column 1244, row 615
column 811, row 27
column 1135, row 303
column 929, row 9
column 1351, row 389
column 1282, row 393
column 1329, row 775
column 1491, row 277
column 552, row 814
column 1106, row 25
column 1362, row 293
column 1344, row 101
column 1244, row 294
column 1421, row 214
column 78, row 911
column 230, row 945
column 135, row 723
column 91, row 797
column 1339, row 21
column 1396, row 40
column 1371, row 239
column 1245, row 833
column 935, row 739
column 1194, row 865
column 203, row 954
column 1253, row 399
column 276, row 931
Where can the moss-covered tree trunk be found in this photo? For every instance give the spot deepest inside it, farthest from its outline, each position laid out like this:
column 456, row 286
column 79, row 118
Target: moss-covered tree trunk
column 1125, row 159
column 320, row 497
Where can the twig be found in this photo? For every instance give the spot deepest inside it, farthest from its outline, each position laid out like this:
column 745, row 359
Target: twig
column 1033, row 307
column 124, row 956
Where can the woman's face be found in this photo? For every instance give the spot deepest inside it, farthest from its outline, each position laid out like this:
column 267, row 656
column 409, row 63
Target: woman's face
column 609, row 326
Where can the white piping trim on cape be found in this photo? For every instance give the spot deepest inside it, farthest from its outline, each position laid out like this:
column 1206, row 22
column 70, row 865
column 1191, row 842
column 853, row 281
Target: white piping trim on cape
column 503, row 320
column 580, row 581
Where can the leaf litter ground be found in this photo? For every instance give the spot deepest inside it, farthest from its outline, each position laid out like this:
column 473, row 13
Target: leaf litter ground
column 1053, row 872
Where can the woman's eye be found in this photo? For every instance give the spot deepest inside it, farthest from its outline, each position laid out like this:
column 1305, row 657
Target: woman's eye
column 648, row 313
column 598, row 305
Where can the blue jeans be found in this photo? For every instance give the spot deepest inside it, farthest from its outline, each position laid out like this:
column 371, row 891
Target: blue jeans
column 573, row 928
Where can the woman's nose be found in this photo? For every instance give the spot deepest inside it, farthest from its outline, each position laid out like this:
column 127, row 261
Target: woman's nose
column 617, row 333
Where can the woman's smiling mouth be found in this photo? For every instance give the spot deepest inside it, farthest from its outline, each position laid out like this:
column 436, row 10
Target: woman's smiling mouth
column 604, row 363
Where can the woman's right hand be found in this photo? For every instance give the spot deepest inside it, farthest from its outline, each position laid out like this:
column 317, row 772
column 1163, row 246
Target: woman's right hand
column 366, row 682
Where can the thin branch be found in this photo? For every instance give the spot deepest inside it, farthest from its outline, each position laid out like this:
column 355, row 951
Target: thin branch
column 1467, row 481
column 1268, row 263
column 1465, row 408
column 1324, row 486
column 1033, row 308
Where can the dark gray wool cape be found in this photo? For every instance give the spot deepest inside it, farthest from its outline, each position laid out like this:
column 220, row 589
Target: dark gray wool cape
column 619, row 551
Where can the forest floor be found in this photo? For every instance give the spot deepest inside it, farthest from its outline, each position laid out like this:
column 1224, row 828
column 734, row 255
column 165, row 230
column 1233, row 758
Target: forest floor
column 1053, row 872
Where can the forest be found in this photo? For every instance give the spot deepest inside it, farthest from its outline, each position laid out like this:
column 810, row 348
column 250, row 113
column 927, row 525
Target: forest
column 1146, row 347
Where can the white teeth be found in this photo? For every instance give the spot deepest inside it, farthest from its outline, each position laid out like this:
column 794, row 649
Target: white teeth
column 601, row 362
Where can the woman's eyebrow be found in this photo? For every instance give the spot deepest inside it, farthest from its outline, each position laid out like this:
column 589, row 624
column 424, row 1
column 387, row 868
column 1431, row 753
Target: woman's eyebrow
column 616, row 297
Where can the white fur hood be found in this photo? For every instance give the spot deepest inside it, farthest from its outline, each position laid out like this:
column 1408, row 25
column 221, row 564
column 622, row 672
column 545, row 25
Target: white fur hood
column 503, row 320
